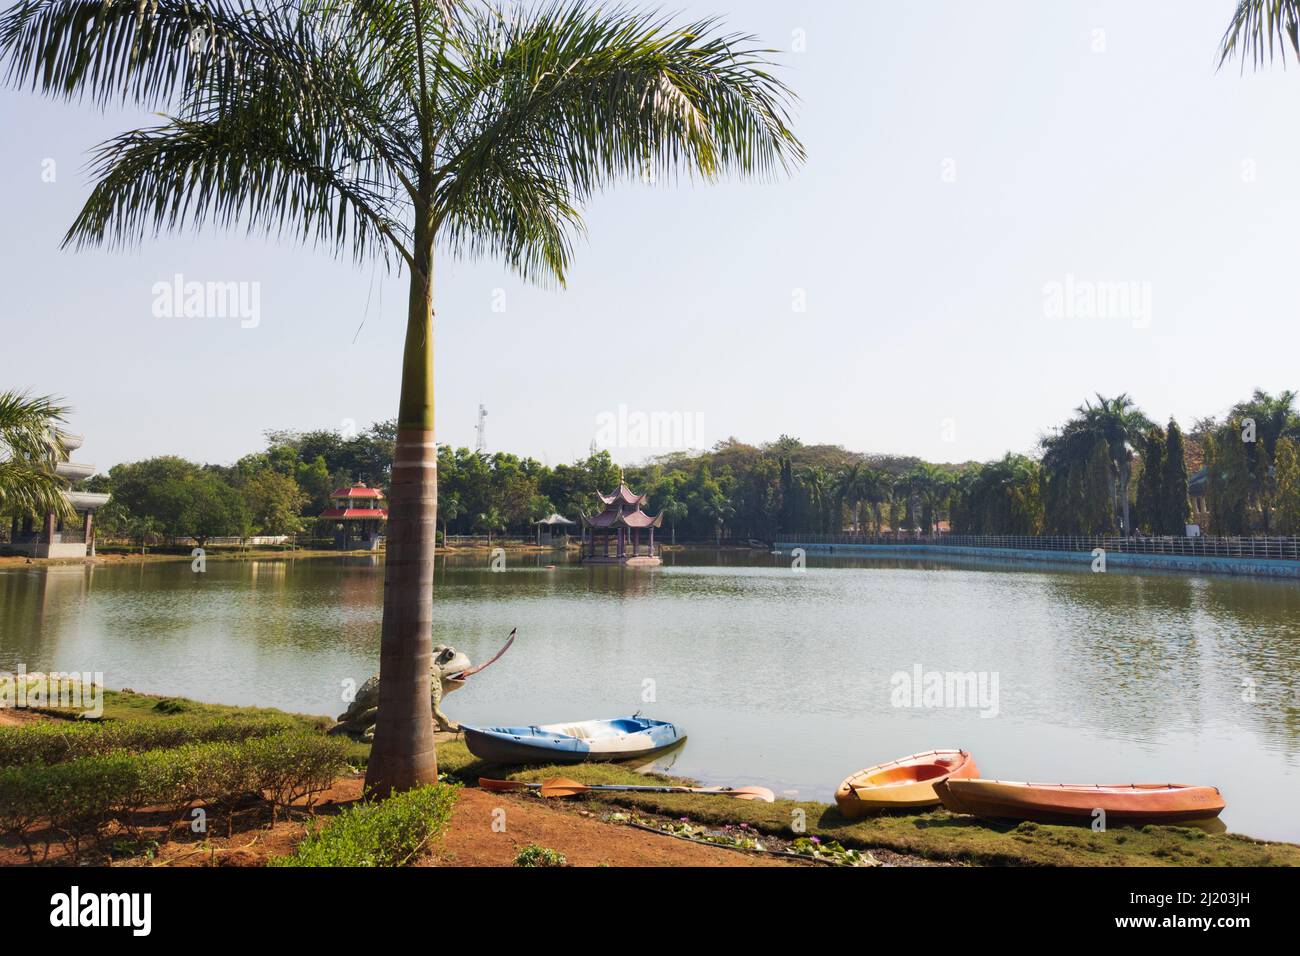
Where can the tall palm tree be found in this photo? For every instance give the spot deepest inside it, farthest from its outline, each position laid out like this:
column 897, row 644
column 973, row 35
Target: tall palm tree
column 848, row 491
column 674, row 511
column 1274, row 417
column 30, row 445
column 451, row 509
column 876, row 487
column 1261, row 29
column 817, row 485
column 1120, row 423
column 385, row 128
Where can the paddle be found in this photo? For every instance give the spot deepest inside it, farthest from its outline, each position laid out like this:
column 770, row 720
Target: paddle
column 496, row 657
column 563, row 787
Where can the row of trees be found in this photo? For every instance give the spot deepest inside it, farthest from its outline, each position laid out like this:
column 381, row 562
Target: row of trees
column 1107, row 470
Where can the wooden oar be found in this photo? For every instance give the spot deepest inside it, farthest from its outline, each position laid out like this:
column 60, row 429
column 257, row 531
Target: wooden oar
column 563, row 787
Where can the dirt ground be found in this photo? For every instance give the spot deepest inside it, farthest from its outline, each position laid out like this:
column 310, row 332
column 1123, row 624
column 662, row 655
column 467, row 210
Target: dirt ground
column 470, row 839
column 16, row 717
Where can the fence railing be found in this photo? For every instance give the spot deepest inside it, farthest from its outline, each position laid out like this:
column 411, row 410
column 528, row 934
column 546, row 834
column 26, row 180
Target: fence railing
column 1271, row 548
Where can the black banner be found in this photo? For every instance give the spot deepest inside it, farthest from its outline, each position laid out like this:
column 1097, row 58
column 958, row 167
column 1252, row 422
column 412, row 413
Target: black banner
column 140, row 905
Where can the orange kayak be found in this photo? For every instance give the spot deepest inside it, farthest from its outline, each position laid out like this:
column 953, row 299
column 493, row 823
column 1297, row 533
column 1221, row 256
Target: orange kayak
column 1073, row 803
column 905, row 783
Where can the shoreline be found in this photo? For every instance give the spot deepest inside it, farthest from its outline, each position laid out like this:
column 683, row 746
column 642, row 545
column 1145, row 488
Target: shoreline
column 1187, row 564
column 924, row 838
column 115, row 557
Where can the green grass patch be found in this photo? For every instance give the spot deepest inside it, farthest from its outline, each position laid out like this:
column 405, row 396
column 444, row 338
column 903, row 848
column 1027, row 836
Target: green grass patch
column 389, row 833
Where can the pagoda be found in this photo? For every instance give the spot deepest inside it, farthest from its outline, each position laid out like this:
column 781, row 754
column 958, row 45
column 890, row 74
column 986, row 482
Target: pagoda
column 627, row 534
column 55, row 538
column 358, row 515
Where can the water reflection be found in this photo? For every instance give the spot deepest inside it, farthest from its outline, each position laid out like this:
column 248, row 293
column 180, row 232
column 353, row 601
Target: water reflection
column 779, row 677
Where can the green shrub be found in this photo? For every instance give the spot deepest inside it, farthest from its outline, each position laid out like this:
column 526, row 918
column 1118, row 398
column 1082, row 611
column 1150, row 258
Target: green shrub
column 20, row 806
column 293, row 767
column 80, row 797
column 55, row 741
column 387, row 833
column 537, row 855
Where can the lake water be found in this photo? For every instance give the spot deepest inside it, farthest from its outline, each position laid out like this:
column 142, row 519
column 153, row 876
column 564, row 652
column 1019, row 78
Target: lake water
column 780, row 677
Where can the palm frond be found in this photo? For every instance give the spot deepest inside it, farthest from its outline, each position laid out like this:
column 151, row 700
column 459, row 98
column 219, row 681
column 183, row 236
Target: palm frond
column 1261, row 30
column 590, row 96
column 145, row 51
column 31, row 443
column 29, row 426
column 237, row 167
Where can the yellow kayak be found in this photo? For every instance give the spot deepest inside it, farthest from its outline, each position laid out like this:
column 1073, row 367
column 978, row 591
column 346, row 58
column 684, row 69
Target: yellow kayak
column 905, row 783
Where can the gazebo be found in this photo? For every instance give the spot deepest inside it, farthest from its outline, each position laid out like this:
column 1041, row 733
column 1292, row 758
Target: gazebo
column 55, row 538
column 625, row 526
column 359, row 517
column 553, row 532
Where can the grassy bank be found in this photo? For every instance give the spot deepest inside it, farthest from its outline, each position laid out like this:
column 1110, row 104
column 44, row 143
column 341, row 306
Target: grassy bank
column 938, row 836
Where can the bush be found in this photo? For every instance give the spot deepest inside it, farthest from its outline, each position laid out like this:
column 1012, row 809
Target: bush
column 295, row 767
column 537, row 855
column 388, row 833
column 56, row 741
column 80, row 797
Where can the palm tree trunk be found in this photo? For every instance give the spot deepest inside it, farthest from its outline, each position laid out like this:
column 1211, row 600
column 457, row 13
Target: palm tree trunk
column 403, row 753
column 1125, row 476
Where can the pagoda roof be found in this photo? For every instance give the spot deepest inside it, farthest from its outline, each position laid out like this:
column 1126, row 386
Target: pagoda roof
column 359, row 489
column 616, row 517
column 347, row 514
column 624, row 495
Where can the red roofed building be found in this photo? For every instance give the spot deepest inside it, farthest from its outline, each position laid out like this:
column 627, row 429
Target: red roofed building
column 359, row 517
column 626, row 533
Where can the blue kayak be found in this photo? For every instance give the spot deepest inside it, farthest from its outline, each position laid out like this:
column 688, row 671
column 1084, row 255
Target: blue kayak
column 619, row 738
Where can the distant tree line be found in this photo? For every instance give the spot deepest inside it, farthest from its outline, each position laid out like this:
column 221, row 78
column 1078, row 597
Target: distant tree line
column 1107, row 470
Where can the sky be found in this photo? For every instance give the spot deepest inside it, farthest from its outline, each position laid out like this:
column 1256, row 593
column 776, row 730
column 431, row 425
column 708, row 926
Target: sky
column 1008, row 206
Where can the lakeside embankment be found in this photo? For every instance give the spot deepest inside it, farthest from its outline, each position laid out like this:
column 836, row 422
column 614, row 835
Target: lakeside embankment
column 639, row 828
column 1191, row 564
column 113, row 556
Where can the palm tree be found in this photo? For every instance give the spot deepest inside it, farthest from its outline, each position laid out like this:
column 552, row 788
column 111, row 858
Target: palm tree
column 674, row 511
column 1119, row 423
column 931, row 487
column 490, row 521
column 875, row 492
column 1274, row 417
column 1259, row 30
column 848, row 491
column 450, row 510
column 30, row 445
column 717, row 508
column 383, row 128
column 815, row 479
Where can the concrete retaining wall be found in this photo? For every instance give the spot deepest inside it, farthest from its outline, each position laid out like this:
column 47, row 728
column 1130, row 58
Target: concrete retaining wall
column 1195, row 564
